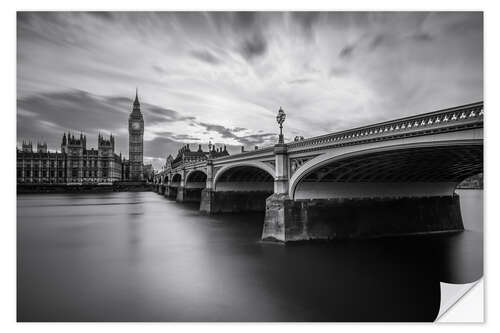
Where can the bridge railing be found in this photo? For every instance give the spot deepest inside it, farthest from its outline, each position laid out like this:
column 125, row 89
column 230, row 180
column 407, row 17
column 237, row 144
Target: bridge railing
column 264, row 150
column 437, row 119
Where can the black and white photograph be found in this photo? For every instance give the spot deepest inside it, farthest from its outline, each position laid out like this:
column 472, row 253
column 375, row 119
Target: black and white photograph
column 248, row 166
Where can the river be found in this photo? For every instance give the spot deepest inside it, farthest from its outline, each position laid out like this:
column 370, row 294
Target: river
column 141, row 257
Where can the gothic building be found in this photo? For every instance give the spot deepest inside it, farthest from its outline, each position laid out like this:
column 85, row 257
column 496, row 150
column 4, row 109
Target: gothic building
column 136, row 141
column 74, row 164
column 185, row 155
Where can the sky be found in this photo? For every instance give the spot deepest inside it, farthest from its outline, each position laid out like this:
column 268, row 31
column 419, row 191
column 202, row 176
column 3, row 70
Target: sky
column 222, row 76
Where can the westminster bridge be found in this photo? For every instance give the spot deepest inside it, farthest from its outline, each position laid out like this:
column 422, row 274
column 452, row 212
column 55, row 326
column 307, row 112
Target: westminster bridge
column 395, row 177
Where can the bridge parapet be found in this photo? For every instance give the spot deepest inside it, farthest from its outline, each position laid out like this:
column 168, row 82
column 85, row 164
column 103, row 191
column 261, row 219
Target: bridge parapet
column 470, row 115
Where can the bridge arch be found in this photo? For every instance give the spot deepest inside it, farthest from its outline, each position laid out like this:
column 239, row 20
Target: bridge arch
column 196, row 176
column 434, row 169
column 239, row 187
column 176, row 179
column 244, row 172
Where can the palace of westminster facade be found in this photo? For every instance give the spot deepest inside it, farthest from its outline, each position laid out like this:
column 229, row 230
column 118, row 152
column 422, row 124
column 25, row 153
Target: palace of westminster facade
column 75, row 164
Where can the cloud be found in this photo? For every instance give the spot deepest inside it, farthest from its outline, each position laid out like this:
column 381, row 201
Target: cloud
column 253, row 47
column 347, row 51
column 223, row 131
column 377, row 41
column 205, row 56
column 244, row 20
column 107, row 16
column 244, row 140
column 156, row 114
column 239, row 129
column 338, row 71
column 306, row 20
column 422, row 37
column 300, row 81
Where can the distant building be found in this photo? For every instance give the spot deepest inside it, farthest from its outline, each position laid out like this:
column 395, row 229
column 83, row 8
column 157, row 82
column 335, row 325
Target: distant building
column 186, row 156
column 148, row 172
column 74, row 164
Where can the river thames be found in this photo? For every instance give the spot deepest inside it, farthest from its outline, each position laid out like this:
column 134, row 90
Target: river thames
column 141, row 257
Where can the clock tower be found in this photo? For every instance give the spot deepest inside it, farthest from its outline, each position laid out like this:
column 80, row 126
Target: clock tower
column 136, row 141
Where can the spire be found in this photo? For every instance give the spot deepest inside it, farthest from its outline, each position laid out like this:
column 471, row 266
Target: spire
column 136, row 101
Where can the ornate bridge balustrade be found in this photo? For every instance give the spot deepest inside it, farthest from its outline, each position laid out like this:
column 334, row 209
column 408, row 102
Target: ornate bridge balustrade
column 394, row 177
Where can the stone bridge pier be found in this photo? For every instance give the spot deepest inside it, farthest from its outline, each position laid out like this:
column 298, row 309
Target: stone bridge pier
column 190, row 189
column 173, row 186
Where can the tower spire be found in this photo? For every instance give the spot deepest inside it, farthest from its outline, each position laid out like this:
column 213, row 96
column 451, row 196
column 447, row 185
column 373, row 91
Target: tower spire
column 136, row 101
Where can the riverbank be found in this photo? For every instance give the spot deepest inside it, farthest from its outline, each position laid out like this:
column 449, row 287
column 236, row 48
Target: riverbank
column 84, row 188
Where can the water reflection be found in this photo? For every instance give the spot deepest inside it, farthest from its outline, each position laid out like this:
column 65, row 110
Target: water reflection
column 96, row 258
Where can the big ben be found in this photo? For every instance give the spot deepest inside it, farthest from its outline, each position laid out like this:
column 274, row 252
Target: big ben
column 136, row 141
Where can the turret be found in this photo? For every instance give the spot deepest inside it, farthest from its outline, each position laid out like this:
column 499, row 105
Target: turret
column 27, row 147
column 41, row 147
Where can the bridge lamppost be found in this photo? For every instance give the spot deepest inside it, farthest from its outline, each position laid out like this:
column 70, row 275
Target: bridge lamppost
column 280, row 118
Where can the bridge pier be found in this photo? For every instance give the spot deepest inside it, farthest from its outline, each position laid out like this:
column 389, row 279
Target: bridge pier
column 171, row 192
column 297, row 220
column 233, row 201
column 188, row 194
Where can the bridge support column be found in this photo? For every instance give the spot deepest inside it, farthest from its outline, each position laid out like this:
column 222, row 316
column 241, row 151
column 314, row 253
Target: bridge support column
column 289, row 220
column 181, row 191
column 208, row 194
column 189, row 194
column 171, row 192
column 207, row 200
column 232, row 201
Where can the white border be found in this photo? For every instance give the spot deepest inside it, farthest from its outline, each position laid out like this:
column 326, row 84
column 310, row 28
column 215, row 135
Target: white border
column 8, row 136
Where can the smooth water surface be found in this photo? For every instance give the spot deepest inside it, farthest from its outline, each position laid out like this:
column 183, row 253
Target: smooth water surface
column 141, row 257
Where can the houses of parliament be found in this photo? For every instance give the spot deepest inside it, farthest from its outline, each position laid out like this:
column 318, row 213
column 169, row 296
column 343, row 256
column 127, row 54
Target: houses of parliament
column 77, row 164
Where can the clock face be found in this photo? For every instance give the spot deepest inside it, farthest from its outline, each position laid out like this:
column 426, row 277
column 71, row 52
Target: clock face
column 136, row 125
